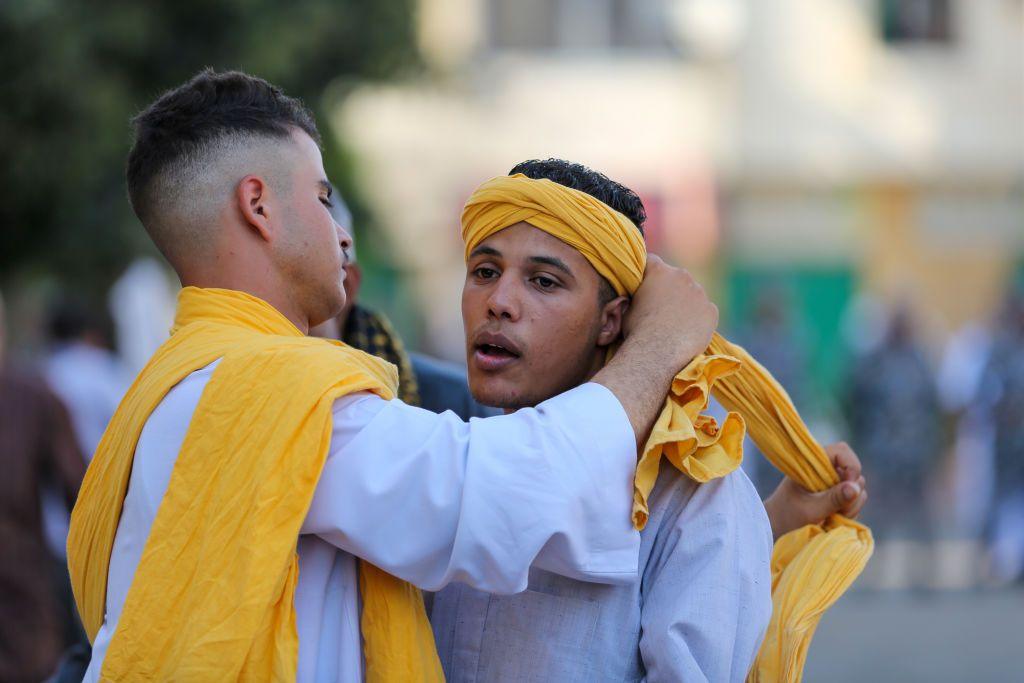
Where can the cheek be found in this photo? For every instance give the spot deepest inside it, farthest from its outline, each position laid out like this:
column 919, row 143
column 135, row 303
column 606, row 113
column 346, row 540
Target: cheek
column 473, row 307
column 562, row 341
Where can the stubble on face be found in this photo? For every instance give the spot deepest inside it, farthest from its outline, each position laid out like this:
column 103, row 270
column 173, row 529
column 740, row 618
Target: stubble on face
column 550, row 316
column 311, row 254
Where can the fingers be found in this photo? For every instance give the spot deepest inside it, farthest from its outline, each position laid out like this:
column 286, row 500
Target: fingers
column 854, row 509
column 854, row 488
column 841, row 496
column 849, row 497
column 845, row 498
column 845, row 461
column 653, row 261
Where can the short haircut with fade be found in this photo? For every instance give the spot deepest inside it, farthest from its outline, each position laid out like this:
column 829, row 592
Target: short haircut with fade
column 597, row 185
column 181, row 135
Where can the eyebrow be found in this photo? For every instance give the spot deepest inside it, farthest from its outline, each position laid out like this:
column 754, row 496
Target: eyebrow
column 489, row 251
column 326, row 187
column 554, row 263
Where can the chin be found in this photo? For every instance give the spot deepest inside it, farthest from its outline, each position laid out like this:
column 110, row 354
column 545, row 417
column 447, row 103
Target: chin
column 332, row 303
column 496, row 393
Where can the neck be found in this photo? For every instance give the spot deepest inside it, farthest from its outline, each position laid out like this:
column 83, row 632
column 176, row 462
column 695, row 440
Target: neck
column 595, row 367
column 275, row 296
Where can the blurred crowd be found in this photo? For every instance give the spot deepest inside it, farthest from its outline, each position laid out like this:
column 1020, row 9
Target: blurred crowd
column 941, row 437
column 940, row 434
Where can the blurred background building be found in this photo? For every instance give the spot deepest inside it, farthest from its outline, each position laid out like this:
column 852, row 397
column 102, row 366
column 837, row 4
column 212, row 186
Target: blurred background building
column 833, row 147
column 846, row 176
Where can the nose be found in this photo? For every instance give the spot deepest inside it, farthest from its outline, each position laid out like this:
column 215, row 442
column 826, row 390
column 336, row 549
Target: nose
column 503, row 302
column 344, row 239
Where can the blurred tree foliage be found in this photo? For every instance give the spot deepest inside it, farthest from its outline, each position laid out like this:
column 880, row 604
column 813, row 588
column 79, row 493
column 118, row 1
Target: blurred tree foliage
column 73, row 72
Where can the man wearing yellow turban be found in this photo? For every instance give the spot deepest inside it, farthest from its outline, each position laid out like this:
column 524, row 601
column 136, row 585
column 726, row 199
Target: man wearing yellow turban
column 260, row 508
column 553, row 252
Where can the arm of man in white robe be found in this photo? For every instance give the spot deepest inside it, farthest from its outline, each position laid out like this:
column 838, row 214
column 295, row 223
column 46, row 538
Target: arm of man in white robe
column 706, row 586
column 431, row 499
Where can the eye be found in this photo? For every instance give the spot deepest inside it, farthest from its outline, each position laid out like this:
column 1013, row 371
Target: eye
column 485, row 273
column 545, row 282
column 326, row 201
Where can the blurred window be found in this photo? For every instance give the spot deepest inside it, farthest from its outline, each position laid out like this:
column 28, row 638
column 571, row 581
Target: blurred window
column 916, row 21
column 580, row 24
column 640, row 24
column 523, row 24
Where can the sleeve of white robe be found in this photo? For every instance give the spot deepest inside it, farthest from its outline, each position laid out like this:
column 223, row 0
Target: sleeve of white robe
column 706, row 586
column 431, row 499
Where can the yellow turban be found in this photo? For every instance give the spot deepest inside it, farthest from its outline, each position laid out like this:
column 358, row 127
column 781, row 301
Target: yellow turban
column 811, row 567
column 608, row 240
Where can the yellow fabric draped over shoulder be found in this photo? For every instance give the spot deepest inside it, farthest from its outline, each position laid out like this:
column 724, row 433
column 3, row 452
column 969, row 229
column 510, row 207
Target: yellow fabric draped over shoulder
column 811, row 567
column 212, row 598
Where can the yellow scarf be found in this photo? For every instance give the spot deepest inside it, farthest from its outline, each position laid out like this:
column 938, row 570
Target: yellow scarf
column 811, row 567
column 212, row 598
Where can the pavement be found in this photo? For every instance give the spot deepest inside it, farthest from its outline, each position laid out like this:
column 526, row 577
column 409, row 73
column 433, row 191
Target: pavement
column 974, row 636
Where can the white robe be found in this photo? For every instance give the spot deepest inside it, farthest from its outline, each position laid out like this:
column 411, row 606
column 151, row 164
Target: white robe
column 426, row 497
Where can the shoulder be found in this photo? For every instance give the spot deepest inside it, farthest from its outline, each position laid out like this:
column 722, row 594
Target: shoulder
column 727, row 507
column 675, row 492
column 316, row 354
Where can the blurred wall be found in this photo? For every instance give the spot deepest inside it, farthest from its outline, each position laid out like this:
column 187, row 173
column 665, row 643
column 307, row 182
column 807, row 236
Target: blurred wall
column 875, row 140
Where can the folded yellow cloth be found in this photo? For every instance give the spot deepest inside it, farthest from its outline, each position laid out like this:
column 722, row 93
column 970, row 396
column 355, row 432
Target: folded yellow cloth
column 212, row 598
column 811, row 567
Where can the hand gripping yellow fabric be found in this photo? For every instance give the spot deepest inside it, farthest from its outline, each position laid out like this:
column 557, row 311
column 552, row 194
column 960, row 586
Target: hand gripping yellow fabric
column 811, row 567
column 213, row 596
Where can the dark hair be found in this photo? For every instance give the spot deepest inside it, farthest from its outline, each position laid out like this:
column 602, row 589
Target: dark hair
column 597, row 185
column 70, row 317
column 184, row 121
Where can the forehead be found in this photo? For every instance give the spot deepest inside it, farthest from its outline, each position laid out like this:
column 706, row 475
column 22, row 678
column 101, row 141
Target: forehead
column 309, row 156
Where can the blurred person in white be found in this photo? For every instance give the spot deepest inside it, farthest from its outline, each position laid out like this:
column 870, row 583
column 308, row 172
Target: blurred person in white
column 1003, row 391
column 141, row 302
column 37, row 449
column 539, row 319
column 83, row 371
column 90, row 381
column 227, row 178
column 426, row 382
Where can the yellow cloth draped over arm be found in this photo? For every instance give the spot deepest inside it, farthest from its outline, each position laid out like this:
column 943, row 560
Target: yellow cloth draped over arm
column 811, row 567
column 212, row 598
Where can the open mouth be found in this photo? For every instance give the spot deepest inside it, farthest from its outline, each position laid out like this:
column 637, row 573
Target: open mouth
column 494, row 352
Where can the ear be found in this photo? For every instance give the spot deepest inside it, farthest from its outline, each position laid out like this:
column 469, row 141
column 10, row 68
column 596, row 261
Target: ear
column 612, row 315
column 253, row 198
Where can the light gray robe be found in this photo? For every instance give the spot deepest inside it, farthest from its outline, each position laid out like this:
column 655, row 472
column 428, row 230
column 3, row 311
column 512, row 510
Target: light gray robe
column 697, row 612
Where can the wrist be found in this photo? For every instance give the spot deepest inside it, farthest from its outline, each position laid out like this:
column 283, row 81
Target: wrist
column 777, row 510
column 665, row 346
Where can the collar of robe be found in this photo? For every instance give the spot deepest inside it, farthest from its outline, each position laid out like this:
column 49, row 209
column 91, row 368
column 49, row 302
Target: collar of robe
column 212, row 597
column 811, row 567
